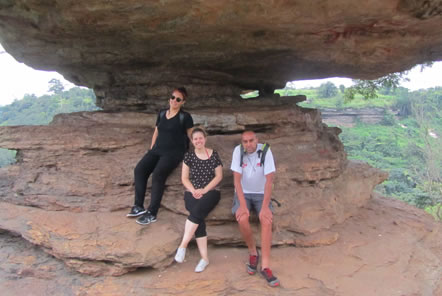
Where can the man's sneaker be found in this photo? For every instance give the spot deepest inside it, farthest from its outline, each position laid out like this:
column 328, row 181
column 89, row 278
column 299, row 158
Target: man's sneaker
column 136, row 211
column 270, row 278
column 147, row 218
column 252, row 266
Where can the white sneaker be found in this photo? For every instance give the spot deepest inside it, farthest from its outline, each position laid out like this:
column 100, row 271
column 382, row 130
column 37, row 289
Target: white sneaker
column 201, row 265
column 180, row 255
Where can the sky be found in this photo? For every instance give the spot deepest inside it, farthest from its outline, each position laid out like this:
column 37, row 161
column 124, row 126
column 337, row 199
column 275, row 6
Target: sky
column 17, row 79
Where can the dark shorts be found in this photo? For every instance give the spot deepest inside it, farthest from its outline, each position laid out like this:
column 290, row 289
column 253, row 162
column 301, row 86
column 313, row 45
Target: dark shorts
column 253, row 201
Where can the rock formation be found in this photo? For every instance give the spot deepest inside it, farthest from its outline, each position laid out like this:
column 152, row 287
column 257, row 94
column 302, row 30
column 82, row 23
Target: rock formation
column 348, row 117
column 131, row 53
column 73, row 183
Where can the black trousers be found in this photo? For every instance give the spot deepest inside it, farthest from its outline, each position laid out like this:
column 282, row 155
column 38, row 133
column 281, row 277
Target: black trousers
column 200, row 208
column 160, row 166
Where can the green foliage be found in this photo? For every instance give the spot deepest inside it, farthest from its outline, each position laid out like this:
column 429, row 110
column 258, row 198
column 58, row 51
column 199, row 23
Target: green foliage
column 7, row 157
column 250, row 94
column 339, row 101
column 33, row 110
column 403, row 105
column 389, row 118
column 402, row 144
column 342, row 88
column 55, row 86
column 369, row 89
column 327, row 90
column 409, row 147
column 435, row 211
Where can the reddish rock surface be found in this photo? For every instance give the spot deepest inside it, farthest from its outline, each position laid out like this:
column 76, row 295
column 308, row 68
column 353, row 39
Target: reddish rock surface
column 73, row 184
column 387, row 249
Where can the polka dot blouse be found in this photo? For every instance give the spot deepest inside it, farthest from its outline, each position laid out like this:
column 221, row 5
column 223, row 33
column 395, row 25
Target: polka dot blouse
column 201, row 172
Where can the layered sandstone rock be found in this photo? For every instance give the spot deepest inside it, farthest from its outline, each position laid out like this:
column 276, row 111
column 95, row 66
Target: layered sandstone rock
column 349, row 117
column 387, row 248
column 132, row 52
column 73, row 184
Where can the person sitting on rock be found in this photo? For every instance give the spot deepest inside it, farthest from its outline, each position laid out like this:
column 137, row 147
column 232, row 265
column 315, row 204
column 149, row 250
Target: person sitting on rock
column 201, row 173
column 169, row 143
column 253, row 180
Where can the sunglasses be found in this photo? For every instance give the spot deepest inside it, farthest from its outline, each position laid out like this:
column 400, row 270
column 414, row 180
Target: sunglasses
column 176, row 98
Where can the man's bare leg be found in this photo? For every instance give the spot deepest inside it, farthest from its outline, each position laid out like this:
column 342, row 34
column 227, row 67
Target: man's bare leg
column 246, row 232
column 266, row 242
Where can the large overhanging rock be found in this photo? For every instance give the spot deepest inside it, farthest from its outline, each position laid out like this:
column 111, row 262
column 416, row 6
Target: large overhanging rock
column 132, row 52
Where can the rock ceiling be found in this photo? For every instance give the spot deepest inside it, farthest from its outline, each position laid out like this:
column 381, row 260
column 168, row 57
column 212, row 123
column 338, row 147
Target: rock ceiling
column 133, row 52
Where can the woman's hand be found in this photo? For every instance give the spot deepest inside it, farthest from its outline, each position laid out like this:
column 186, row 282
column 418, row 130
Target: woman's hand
column 198, row 193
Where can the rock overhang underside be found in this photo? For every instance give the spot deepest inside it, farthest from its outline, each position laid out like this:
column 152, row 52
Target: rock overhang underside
column 133, row 53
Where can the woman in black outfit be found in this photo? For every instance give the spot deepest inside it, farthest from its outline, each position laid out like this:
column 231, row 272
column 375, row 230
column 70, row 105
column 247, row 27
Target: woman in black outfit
column 169, row 143
column 201, row 173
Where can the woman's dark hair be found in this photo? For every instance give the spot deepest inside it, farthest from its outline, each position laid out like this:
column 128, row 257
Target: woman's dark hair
column 198, row 130
column 183, row 91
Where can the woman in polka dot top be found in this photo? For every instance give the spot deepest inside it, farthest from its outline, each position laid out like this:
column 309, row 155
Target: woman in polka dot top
column 201, row 173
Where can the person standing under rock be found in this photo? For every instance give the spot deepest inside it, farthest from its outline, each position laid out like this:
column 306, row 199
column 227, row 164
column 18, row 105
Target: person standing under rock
column 201, row 172
column 169, row 143
column 253, row 182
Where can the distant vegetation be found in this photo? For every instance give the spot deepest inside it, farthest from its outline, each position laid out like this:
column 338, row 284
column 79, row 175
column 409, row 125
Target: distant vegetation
column 407, row 143
column 33, row 110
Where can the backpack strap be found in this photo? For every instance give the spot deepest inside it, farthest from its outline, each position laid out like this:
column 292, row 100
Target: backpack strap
column 264, row 150
column 162, row 113
column 181, row 118
column 181, row 114
column 242, row 151
column 261, row 153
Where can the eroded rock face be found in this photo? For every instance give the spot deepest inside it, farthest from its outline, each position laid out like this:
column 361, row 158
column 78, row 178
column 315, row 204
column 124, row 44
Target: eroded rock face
column 73, row 185
column 133, row 53
column 387, row 248
column 349, row 117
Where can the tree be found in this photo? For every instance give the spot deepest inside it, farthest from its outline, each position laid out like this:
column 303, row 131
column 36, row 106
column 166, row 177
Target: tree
column 342, row 88
column 55, row 86
column 327, row 90
column 369, row 88
column 426, row 112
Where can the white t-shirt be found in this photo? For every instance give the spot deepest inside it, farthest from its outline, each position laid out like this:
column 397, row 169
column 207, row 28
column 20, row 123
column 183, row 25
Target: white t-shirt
column 253, row 178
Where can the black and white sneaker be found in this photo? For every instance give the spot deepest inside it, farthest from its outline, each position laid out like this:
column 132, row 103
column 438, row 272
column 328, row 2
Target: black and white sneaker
column 147, row 219
column 136, row 211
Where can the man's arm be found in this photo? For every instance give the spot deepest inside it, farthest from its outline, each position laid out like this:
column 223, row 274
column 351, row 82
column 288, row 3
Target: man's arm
column 242, row 210
column 265, row 212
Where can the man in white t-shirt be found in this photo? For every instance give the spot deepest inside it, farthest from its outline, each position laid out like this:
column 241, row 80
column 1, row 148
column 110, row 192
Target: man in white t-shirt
column 253, row 189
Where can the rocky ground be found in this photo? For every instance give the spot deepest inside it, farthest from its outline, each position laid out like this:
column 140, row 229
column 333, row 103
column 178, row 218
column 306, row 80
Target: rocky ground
column 63, row 212
column 387, row 248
